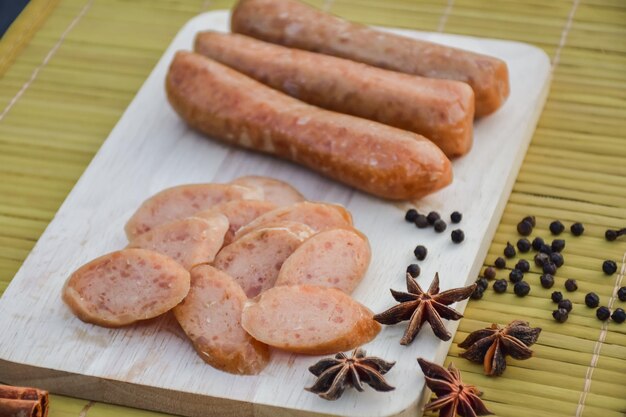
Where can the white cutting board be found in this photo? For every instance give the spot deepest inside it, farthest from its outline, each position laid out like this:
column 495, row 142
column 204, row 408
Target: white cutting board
column 151, row 365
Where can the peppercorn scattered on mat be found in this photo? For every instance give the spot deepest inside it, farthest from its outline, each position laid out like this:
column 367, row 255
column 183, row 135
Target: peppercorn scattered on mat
column 70, row 84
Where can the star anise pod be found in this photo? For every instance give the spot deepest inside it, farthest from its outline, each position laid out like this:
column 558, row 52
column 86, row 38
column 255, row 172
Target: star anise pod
column 491, row 345
column 453, row 396
column 419, row 307
column 335, row 374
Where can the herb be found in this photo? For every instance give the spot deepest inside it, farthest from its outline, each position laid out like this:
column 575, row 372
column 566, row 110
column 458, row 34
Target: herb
column 549, row 268
column 523, row 245
column 457, row 236
column 561, row 315
column 556, row 227
column 509, row 250
column 577, row 229
column 521, row 289
column 432, row 217
column 419, row 307
column 557, row 259
column 619, row 315
column 500, row 286
column 603, row 313
column 516, row 275
column 491, row 345
column 538, row 243
column 456, row 217
column 547, row 281
column 611, row 234
column 556, row 296
column 566, row 305
column 558, row 245
column 334, row 375
column 413, row 270
column 609, row 267
column 440, row 226
column 571, row 285
column 420, row 252
column 621, row 294
column 524, row 228
column 489, row 273
column 421, row 221
column 410, row 215
column 500, row 262
column 454, row 398
column 522, row 265
column 592, row 300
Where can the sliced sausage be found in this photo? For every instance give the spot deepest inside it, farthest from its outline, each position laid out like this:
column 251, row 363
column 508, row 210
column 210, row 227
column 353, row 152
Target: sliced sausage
column 308, row 319
column 189, row 241
column 319, row 216
column 255, row 260
column 278, row 192
column 295, row 24
column 183, row 201
column 239, row 214
column 126, row 286
column 334, row 258
column 227, row 105
column 210, row 315
column 441, row 110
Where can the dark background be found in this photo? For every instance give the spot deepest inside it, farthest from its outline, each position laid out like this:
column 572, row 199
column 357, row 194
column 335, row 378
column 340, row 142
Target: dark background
column 9, row 10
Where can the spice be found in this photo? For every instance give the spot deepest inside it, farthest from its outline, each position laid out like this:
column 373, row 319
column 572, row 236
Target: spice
column 577, row 229
column 549, row 268
column 516, row 275
column 23, row 401
column 592, row 300
column 523, row 245
column 421, row 221
column 489, row 273
column 482, row 283
column 531, row 220
column 440, row 226
column 500, row 262
column 509, row 250
column 556, row 296
column 524, row 228
column 557, row 259
column 522, row 265
column 560, row 315
column 432, row 217
column 414, row 270
column 611, row 234
column 547, row 281
column 538, row 243
column 457, row 236
column 558, row 245
column 556, row 227
column 478, row 293
column 603, row 313
column 566, row 305
column 541, row 259
column 619, row 315
column 547, row 249
column 410, row 215
column 336, row 374
column 454, row 398
column 420, row 252
column 419, row 307
column 521, row 289
column 571, row 285
column 500, row 286
column 491, row 346
column 609, row 267
column 456, row 217
column 621, row 294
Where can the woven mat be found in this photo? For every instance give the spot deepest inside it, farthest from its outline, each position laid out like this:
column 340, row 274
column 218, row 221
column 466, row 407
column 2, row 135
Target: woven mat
column 71, row 82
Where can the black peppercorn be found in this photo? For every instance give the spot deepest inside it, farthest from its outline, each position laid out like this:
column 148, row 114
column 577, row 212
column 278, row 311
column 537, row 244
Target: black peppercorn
column 531, row 220
column 541, row 259
column 516, row 275
column 524, row 228
column 577, row 229
column 432, row 217
column 522, row 265
column 421, row 221
column 609, row 267
column 509, row 250
column 557, row 259
column 592, row 300
column 619, row 315
column 440, row 226
column 410, row 215
column 547, row 281
column 611, row 234
column 489, row 273
column 560, row 315
column 556, row 296
column 549, row 268
column 482, row 282
column 457, row 236
column 571, row 285
column 556, row 227
column 603, row 313
column 545, row 249
column 478, row 293
column 456, row 217
column 420, row 252
column 521, row 289
column 621, row 294
column 558, row 245
column 538, row 243
column 500, row 262
column 413, row 270
column 566, row 305
column 500, row 286
column 523, row 245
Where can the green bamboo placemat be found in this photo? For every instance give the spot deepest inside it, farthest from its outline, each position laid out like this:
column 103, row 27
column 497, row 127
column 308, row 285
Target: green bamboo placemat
column 69, row 86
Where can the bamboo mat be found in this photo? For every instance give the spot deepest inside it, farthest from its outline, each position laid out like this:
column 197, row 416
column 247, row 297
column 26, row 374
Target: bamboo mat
column 66, row 90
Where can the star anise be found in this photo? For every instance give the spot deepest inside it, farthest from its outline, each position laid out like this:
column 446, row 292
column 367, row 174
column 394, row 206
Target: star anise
column 453, row 396
column 419, row 307
column 491, row 345
column 335, row 374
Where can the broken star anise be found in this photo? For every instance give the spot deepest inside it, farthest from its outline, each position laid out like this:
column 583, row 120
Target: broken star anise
column 453, row 396
column 490, row 346
column 419, row 307
column 335, row 374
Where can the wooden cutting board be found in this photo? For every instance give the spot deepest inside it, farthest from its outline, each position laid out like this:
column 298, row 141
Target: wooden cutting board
column 151, row 365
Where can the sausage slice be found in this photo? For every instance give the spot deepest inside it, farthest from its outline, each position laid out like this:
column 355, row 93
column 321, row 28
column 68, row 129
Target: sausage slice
column 210, row 315
column 308, row 319
column 126, row 286
column 278, row 192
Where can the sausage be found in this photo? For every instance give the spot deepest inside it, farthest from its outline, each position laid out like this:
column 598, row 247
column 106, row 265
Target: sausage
column 189, row 241
column 441, row 110
column 210, row 315
column 239, row 213
column 126, row 286
column 335, row 258
column 308, row 319
column 294, row 24
column 379, row 159
column 183, row 201
column 255, row 260
column 318, row 216
column 278, row 192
